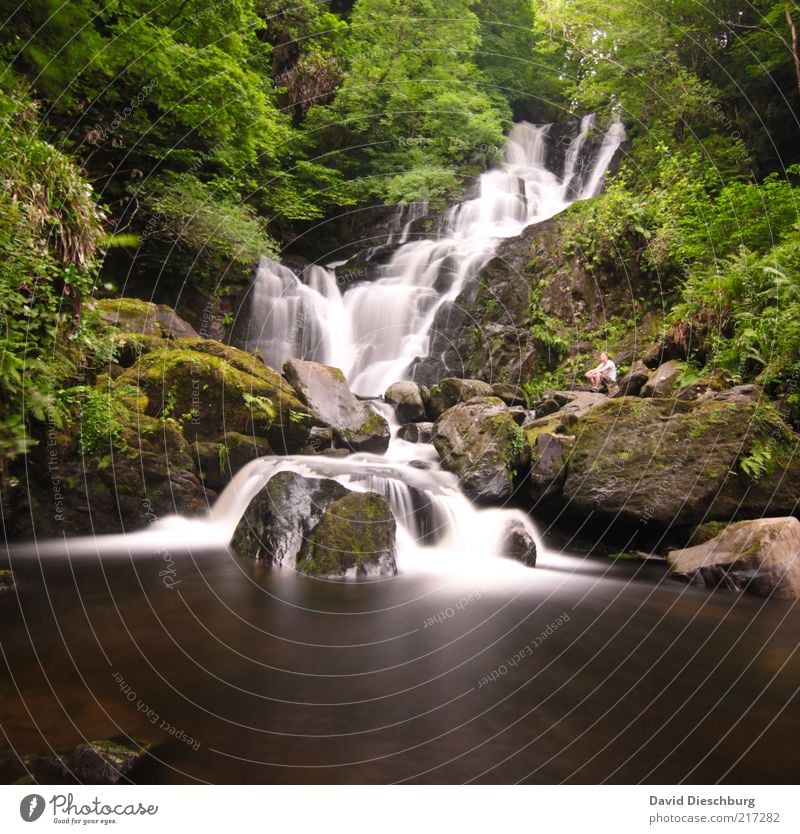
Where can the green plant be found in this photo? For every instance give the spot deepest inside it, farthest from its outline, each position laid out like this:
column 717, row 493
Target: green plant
column 261, row 407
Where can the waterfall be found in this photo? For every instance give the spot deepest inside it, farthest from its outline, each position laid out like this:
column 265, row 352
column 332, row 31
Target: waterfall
column 375, row 330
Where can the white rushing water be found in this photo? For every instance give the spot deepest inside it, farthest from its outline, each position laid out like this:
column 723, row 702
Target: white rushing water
column 374, row 330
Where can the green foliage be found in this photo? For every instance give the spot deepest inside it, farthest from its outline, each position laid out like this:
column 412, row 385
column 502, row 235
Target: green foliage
column 100, row 420
column 49, row 227
column 411, row 105
column 262, row 407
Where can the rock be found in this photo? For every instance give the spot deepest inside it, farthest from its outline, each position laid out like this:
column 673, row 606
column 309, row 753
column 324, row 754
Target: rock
column 407, row 399
column 668, row 463
column 548, row 465
column 356, row 425
column 481, row 443
column 511, row 395
column 416, row 432
column 580, row 402
column 280, row 518
column 132, row 315
column 451, row 391
column 545, row 407
column 219, row 462
column 356, row 534
column 631, row 384
column 6, row 580
column 519, row 414
column 105, row 762
column 761, row 557
column 664, row 380
column 212, row 389
column 519, row 544
column 738, row 394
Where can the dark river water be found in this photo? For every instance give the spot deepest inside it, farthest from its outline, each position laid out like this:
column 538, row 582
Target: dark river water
column 581, row 670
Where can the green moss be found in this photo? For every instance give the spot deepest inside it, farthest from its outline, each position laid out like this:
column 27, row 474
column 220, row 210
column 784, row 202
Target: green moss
column 354, row 530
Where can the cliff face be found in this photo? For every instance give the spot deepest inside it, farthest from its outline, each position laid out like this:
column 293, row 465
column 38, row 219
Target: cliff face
column 530, row 306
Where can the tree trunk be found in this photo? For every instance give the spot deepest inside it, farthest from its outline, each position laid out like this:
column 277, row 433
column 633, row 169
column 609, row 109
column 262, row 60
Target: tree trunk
column 795, row 49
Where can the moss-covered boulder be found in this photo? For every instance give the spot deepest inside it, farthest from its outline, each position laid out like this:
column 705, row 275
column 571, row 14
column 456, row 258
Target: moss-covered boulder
column 451, row 391
column 668, row 462
column 356, row 535
column 212, row 389
column 761, row 557
column 481, row 443
column 280, row 518
column 132, row 315
column 326, row 395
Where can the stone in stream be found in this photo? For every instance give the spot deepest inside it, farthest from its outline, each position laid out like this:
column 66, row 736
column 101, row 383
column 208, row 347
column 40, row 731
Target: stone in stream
column 519, row 544
column 280, row 518
column 324, row 390
column 407, row 398
column 481, row 443
column 356, row 534
column 318, row 527
column 416, row 432
column 761, row 557
column 451, row 391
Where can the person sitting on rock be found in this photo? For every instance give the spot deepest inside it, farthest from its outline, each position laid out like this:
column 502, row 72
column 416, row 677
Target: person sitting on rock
column 604, row 374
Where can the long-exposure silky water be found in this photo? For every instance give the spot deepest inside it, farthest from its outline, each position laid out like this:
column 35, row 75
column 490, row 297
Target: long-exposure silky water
column 373, row 331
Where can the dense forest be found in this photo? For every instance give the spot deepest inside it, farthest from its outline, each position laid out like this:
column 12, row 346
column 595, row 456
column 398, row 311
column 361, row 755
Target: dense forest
column 159, row 148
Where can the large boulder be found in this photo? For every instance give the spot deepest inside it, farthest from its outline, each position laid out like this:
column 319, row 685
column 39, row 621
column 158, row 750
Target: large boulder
column 664, row 381
column 481, row 443
column 451, row 391
column 549, row 455
column 408, row 402
column 280, row 518
column 669, row 462
column 761, row 557
column 356, row 535
column 211, row 389
column 324, row 390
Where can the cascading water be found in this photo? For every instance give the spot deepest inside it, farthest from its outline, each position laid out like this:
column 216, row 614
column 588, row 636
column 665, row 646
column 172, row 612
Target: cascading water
column 374, row 331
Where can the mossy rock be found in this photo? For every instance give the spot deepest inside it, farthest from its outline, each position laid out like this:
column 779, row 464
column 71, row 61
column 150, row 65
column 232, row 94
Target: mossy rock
column 133, row 315
column 669, row 462
column 451, row 391
column 356, row 534
column 482, row 444
column 280, row 518
column 211, row 389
